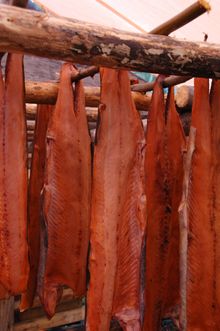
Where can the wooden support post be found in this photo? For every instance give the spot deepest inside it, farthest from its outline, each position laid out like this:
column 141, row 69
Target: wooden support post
column 22, row 30
column 7, row 314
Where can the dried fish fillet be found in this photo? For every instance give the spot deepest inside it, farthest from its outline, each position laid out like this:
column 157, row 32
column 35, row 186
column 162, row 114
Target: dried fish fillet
column 118, row 208
column 200, row 262
column 67, row 193
column 164, row 170
column 14, row 267
column 34, row 207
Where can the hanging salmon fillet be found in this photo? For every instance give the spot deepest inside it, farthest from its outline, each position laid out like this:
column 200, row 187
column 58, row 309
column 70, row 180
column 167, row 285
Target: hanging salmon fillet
column 198, row 299
column 118, row 208
column 14, row 266
column 164, row 171
column 175, row 145
column 67, row 193
column 34, row 208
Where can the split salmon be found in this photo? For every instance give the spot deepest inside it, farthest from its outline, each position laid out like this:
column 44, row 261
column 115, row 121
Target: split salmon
column 14, row 267
column 200, row 261
column 118, row 208
column 67, row 193
column 164, row 174
column 201, row 295
column 34, row 207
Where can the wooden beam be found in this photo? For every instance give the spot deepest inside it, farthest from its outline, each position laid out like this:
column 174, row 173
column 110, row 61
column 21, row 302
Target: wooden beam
column 60, row 318
column 181, row 19
column 46, row 93
column 31, row 32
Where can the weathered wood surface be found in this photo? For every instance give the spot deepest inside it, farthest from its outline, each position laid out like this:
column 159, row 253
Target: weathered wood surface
column 37, row 33
column 38, row 312
column 7, row 314
column 186, row 16
column 46, row 93
column 60, row 318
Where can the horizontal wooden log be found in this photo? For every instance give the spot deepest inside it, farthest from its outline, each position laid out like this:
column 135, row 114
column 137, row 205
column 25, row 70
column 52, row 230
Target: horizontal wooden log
column 60, row 318
column 22, row 30
column 46, row 93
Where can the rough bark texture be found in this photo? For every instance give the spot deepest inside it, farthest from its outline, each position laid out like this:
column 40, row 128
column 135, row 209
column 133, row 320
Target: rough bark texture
column 70, row 40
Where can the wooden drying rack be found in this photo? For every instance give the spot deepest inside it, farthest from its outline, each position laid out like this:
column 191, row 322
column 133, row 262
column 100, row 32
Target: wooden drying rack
column 23, row 31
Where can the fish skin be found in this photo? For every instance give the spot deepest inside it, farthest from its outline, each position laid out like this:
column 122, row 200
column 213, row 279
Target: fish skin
column 199, row 294
column 14, row 267
column 67, row 193
column 119, row 139
column 164, row 172
column 34, row 207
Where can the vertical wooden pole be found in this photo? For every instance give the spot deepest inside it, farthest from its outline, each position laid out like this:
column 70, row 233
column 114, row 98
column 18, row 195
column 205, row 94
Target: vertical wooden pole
column 7, row 314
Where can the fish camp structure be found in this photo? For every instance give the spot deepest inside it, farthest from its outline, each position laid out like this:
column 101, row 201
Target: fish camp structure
column 45, row 34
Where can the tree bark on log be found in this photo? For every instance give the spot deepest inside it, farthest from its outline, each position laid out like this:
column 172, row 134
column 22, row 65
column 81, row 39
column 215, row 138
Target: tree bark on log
column 22, row 30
